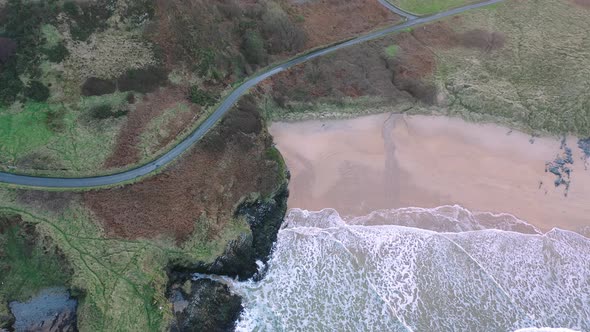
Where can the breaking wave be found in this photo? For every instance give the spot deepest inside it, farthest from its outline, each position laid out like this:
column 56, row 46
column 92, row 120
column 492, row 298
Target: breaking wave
column 443, row 269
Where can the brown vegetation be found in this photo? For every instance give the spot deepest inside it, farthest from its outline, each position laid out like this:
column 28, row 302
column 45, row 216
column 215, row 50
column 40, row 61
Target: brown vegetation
column 222, row 41
column 201, row 190
column 209, row 35
column 327, row 21
column 52, row 201
column 367, row 69
column 153, row 104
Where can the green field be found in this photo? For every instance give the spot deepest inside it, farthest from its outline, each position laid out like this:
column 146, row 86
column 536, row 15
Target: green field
column 23, row 131
column 123, row 280
column 52, row 138
column 27, row 263
column 391, row 50
column 537, row 81
column 425, row 7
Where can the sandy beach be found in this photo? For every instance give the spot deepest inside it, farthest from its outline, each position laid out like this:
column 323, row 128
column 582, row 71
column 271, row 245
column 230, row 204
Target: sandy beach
column 389, row 161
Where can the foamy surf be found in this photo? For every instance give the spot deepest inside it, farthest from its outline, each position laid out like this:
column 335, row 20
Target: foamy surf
column 443, row 269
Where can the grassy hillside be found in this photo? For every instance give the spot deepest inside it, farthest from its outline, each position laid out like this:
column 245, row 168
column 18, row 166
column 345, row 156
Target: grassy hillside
column 521, row 63
column 96, row 79
column 123, row 280
column 113, row 246
column 538, row 79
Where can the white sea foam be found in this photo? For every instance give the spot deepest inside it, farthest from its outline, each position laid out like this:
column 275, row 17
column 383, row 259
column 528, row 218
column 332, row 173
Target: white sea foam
column 443, row 269
column 544, row 329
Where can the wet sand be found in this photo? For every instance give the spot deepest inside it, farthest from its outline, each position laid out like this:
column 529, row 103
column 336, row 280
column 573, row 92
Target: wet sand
column 389, row 161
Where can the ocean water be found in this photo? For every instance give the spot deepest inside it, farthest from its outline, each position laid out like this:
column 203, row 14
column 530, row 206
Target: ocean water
column 443, row 269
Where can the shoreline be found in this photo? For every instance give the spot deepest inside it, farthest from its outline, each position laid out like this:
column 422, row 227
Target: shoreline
column 387, row 161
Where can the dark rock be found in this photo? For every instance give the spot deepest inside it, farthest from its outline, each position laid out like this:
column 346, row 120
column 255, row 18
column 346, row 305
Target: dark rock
column 559, row 168
column 209, row 307
column 584, row 145
column 7, row 49
column 97, row 87
column 6, row 322
column 240, row 256
column 53, row 310
column 143, row 80
column 555, row 170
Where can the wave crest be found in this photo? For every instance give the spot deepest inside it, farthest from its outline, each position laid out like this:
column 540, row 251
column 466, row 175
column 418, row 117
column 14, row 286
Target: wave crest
column 419, row 269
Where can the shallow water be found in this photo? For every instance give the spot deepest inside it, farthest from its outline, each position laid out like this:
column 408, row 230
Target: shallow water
column 49, row 303
column 443, row 269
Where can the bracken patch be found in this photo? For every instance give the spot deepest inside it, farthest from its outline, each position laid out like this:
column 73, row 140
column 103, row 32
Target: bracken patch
column 153, row 104
column 368, row 70
column 201, row 190
column 327, row 21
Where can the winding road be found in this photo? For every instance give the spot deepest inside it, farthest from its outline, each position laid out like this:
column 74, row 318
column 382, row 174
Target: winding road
column 195, row 136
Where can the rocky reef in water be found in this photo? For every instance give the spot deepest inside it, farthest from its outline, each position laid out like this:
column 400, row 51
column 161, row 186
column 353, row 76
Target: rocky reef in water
column 207, row 305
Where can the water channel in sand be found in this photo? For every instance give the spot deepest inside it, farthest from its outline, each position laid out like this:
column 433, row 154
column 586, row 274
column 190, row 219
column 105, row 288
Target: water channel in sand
column 385, row 161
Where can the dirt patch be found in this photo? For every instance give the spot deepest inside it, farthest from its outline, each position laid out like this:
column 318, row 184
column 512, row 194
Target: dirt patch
column 53, row 201
column 482, row 39
column 38, row 161
column 153, row 104
column 200, row 191
column 327, row 21
column 437, row 34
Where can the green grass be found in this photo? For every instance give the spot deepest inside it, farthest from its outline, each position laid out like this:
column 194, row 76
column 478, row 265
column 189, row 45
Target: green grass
column 51, row 35
column 534, row 77
column 537, row 82
column 328, row 108
column 26, row 269
column 391, row 50
column 425, row 7
column 124, row 280
column 78, row 145
column 23, row 131
column 274, row 154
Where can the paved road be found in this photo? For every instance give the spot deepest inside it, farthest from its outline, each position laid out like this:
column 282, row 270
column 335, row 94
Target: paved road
column 113, row 179
column 397, row 10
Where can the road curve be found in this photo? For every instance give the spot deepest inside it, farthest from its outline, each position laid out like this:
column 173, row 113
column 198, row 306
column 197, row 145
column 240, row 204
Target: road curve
column 168, row 157
column 399, row 11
